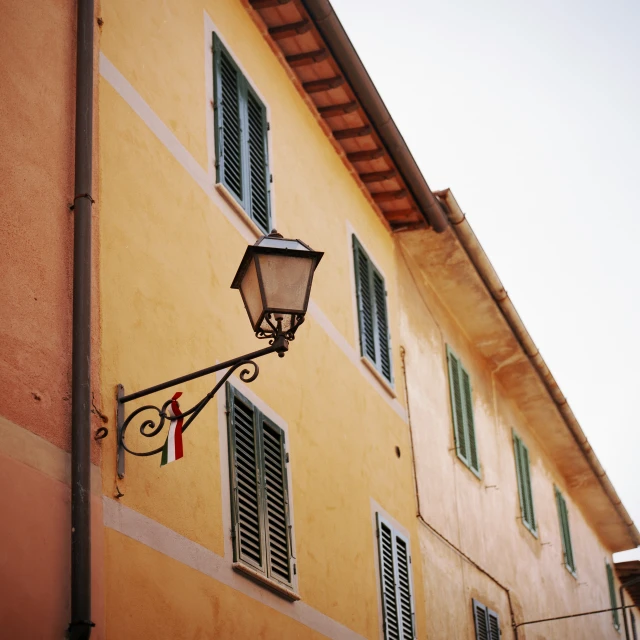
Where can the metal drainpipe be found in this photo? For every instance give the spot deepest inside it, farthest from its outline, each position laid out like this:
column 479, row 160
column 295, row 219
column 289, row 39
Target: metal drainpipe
column 80, row 625
column 462, row 554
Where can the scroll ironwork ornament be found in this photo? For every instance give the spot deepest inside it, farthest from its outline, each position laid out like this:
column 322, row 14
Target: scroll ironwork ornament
column 150, row 428
column 154, row 418
column 275, row 330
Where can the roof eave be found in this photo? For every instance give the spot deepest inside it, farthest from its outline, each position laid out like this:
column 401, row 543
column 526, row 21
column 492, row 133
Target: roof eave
column 491, row 280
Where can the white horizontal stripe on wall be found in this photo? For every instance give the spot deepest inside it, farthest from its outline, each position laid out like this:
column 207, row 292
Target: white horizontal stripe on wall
column 126, row 91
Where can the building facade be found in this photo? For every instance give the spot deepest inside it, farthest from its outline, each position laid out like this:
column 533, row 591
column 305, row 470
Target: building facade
column 37, row 121
column 406, row 470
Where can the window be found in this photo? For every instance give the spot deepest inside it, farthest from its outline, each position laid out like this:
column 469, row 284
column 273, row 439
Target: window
column 634, row 631
column 523, row 473
column 612, row 597
column 398, row 612
column 242, row 154
column 462, row 410
column 565, row 533
column 486, row 622
column 375, row 344
column 259, row 492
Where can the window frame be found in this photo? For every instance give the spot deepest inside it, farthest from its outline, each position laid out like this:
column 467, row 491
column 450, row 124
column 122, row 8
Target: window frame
column 382, row 520
column 376, row 363
column 476, row 604
column 261, row 572
column 519, row 449
column 245, row 89
column 466, row 403
column 565, row 533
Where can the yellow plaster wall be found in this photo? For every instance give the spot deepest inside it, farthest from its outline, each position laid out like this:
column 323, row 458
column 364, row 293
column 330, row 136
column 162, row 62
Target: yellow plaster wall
column 152, row 596
column 481, row 517
column 160, row 49
column 168, row 257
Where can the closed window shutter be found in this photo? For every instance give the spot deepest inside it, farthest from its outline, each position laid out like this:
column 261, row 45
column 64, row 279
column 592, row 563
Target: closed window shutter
column 531, row 518
column 523, row 473
column 487, row 623
column 470, row 425
column 276, row 502
column 388, row 581
column 457, row 407
column 363, row 269
column 245, row 481
column 481, row 621
column 612, row 597
column 563, row 516
column 396, row 585
column 517, row 450
column 228, row 83
column 242, row 156
column 494, row 625
column 382, row 326
column 259, row 490
column 462, row 409
column 405, row 596
column 373, row 317
column 567, row 530
column 258, row 161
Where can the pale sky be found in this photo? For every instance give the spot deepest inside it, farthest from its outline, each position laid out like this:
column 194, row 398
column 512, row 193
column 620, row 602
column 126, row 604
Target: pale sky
column 530, row 113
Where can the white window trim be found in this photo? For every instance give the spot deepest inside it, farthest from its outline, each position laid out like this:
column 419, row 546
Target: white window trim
column 293, row 593
column 209, row 29
column 375, row 509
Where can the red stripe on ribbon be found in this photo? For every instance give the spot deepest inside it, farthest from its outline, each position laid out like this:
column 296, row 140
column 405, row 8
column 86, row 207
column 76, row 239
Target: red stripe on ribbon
column 175, row 407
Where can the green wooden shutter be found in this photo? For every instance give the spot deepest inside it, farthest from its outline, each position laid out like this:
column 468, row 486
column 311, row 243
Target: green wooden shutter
column 242, row 156
column 373, row 317
column 405, row 591
column 525, row 492
column 481, row 621
column 462, row 410
column 382, row 326
column 519, row 475
column 565, row 532
column 258, row 161
column 228, row 83
column 259, row 490
column 363, row 269
column 570, row 559
column 246, row 491
column 469, row 422
column 612, row 597
column 487, row 623
column 388, row 581
column 531, row 517
column 276, row 502
column 456, row 406
column 494, row 625
column 395, row 583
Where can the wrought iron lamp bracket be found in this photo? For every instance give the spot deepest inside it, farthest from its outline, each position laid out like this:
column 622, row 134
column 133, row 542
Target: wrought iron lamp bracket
column 152, row 427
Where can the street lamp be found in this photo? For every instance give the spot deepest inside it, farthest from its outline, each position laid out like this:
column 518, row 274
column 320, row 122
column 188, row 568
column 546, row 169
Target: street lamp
column 274, row 279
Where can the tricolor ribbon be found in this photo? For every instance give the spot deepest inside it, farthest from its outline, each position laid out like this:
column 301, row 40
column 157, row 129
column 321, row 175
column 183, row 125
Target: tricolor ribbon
column 172, row 449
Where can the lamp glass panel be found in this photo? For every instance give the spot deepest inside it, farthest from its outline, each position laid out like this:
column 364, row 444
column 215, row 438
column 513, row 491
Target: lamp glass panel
column 251, row 293
column 285, row 279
